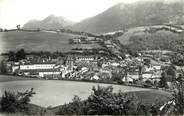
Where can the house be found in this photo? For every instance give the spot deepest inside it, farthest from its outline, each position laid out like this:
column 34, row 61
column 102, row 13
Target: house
column 147, row 75
column 128, row 79
column 14, row 68
column 89, row 61
column 133, row 75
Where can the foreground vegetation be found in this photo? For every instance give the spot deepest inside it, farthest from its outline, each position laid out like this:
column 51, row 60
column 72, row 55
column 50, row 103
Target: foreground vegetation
column 102, row 101
column 19, row 103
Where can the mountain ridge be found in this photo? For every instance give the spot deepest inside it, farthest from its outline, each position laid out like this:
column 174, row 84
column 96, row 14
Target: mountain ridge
column 123, row 15
column 50, row 22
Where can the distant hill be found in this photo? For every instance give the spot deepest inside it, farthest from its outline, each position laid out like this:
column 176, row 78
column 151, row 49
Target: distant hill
column 50, row 22
column 38, row 41
column 123, row 16
column 138, row 39
column 34, row 41
column 134, row 38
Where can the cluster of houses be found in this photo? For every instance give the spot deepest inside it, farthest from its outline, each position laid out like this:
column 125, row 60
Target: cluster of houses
column 85, row 40
column 96, row 66
column 87, row 67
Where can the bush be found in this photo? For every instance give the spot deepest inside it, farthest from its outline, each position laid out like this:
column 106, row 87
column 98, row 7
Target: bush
column 104, row 102
column 148, row 83
column 75, row 107
column 179, row 98
column 16, row 102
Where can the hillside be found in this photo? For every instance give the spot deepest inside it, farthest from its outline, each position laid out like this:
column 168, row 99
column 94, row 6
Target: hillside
column 123, row 16
column 34, row 41
column 50, row 22
column 39, row 41
column 135, row 38
column 138, row 39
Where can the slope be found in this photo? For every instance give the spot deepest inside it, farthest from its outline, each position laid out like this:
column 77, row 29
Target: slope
column 122, row 16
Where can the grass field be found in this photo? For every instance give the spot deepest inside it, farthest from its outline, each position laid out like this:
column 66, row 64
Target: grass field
column 7, row 78
column 37, row 41
column 152, row 96
column 47, row 41
column 34, row 41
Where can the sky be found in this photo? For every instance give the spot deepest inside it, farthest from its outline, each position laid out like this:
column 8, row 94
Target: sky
column 14, row 12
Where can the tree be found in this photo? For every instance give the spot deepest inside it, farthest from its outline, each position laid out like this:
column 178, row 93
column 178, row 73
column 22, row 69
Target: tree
column 171, row 73
column 20, row 54
column 179, row 99
column 1, row 30
column 168, row 75
column 118, row 76
column 76, row 107
column 147, row 62
column 3, row 69
column 104, row 101
column 175, row 106
column 18, row 27
column 38, row 29
column 163, row 81
column 178, row 96
column 177, row 59
column 148, row 83
column 11, row 56
column 16, row 102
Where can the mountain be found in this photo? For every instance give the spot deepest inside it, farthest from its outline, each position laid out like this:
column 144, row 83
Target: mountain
column 50, row 22
column 122, row 15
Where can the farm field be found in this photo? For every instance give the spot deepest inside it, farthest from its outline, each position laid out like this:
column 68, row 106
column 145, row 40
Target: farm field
column 38, row 41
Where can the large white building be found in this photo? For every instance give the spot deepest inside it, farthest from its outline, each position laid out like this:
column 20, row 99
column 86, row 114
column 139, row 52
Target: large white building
column 40, row 69
column 37, row 66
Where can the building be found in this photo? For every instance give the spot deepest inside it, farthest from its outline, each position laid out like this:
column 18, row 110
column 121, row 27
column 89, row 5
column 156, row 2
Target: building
column 48, row 69
column 50, row 73
column 37, row 66
column 90, row 61
column 69, row 62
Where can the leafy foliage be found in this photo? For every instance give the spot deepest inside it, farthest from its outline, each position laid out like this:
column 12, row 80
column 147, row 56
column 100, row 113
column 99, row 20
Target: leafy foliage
column 178, row 59
column 20, row 54
column 16, row 102
column 179, row 98
column 168, row 75
column 103, row 101
column 163, row 81
column 76, row 107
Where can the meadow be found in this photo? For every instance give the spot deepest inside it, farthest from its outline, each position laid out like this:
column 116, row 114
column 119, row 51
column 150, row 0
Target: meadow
column 38, row 41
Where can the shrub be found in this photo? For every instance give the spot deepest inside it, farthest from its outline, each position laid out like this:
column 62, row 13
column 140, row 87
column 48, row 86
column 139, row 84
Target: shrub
column 103, row 101
column 16, row 102
column 75, row 107
column 179, row 98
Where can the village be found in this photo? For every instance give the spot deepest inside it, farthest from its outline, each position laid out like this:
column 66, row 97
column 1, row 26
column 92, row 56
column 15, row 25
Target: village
column 97, row 65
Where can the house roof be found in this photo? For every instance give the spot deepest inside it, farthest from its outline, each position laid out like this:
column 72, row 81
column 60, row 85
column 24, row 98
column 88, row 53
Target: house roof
column 41, row 70
column 35, row 63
